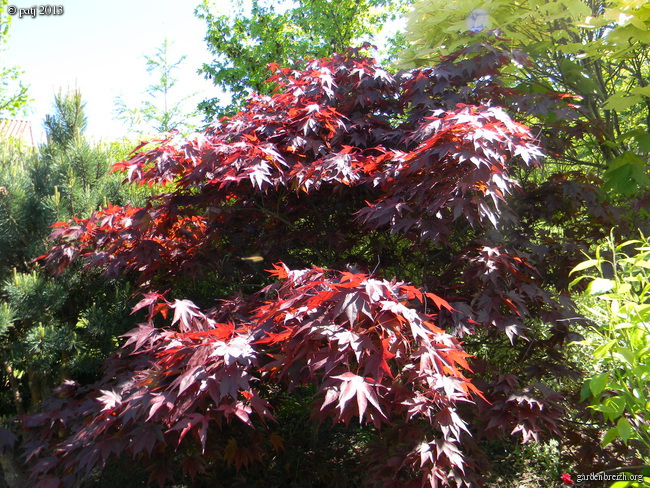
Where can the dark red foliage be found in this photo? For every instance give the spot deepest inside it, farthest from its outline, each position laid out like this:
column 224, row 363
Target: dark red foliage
column 575, row 203
column 345, row 166
column 365, row 343
column 382, row 145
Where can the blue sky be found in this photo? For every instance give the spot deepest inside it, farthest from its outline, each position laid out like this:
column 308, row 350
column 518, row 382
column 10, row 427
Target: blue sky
column 99, row 47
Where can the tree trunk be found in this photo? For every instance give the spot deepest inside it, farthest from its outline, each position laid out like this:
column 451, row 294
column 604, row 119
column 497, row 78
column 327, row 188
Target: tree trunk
column 10, row 472
column 13, row 384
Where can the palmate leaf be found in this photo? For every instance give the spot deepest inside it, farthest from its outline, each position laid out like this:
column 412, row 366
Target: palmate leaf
column 362, row 389
column 204, row 370
column 343, row 153
column 377, row 365
column 351, row 305
column 184, row 312
column 427, row 167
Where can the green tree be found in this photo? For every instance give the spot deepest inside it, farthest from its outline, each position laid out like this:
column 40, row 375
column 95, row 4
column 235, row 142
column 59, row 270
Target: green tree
column 51, row 329
column 161, row 111
column 13, row 94
column 619, row 342
column 68, row 122
column 256, row 33
column 594, row 49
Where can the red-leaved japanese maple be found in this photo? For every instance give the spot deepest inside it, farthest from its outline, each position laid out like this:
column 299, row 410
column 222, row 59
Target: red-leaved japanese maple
column 345, row 169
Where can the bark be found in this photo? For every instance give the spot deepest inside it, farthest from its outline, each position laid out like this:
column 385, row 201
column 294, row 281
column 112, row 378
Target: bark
column 10, row 472
column 13, row 384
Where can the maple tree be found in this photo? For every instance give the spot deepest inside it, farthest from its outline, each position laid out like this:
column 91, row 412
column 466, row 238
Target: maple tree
column 345, row 168
column 594, row 49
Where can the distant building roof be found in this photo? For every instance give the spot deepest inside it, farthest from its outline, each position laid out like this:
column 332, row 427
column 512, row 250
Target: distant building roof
column 17, row 130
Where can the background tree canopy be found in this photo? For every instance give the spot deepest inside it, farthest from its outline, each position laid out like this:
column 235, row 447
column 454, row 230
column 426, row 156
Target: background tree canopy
column 594, row 49
column 13, row 94
column 245, row 36
column 164, row 109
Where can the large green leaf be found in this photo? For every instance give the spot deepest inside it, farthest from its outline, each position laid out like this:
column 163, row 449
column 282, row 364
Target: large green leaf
column 600, row 285
column 597, row 383
column 621, row 101
column 610, row 435
column 624, row 429
column 626, row 175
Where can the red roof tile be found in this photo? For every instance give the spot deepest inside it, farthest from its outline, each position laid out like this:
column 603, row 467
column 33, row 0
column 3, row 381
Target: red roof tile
column 20, row 130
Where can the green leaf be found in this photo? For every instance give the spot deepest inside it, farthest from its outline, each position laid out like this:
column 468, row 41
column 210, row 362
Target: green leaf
column 585, row 391
column 609, row 411
column 623, row 325
column 602, row 350
column 600, row 285
column 627, row 243
column 597, row 383
column 621, row 101
column 626, row 355
column 626, row 174
column 623, row 484
column 618, row 403
column 624, row 288
column 624, row 429
column 585, row 264
column 641, row 90
column 610, row 435
column 576, row 281
column 642, row 372
column 643, row 264
column 643, row 140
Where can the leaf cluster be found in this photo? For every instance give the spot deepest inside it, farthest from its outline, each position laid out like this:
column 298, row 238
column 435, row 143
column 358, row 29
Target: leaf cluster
column 344, row 167
column 285, row 35
column 620, row 370
column 595, row 50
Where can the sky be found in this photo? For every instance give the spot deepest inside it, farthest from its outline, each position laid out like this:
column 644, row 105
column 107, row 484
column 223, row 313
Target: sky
column 99, row 48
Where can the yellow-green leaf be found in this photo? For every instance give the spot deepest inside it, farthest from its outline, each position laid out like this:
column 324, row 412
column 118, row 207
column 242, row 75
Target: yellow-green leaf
column 610, row 435
column 624, row 429
column 600, row 285
column 584, row 265
column 597, row 383
column 620, row 101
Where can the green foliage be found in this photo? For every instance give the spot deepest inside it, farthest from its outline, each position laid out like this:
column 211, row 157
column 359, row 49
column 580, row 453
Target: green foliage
column 68, row 176
column 24, row 218
column 252, row 34
column 515, row 465
column 626, row 175
column 68, row 121
column 160, row 112
column 593, row 49
column 437, row 27
column 13, row 94
column 7, row 317
column 619, row 373
column 632, row 484
column 55, row 329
